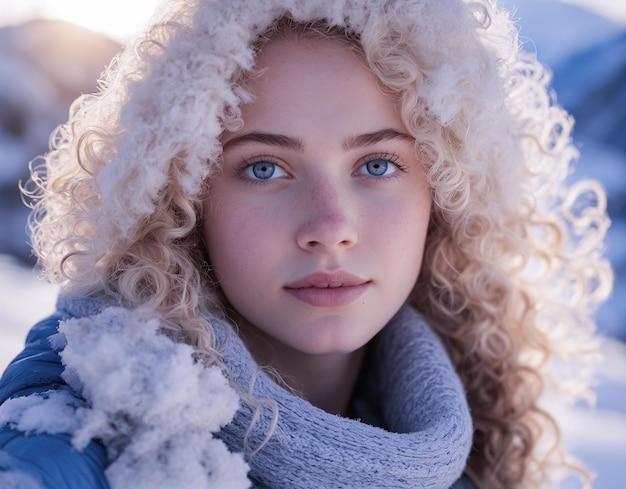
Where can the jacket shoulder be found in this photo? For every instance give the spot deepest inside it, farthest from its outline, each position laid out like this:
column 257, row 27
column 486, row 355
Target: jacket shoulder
column 43, row 460
column 38, row 367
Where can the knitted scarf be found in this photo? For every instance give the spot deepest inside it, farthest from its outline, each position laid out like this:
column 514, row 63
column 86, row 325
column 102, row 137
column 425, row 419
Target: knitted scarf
column 410, row 389
column 163, row 416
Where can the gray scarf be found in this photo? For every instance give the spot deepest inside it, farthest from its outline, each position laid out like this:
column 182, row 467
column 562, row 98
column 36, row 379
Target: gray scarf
column 411, row 389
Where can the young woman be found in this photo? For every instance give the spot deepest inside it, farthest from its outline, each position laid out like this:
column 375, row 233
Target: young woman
column 307, row 244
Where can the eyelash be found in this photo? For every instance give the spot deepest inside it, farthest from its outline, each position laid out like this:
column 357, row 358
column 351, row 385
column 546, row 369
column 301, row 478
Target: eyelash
column 392, row 158
column 249, row 162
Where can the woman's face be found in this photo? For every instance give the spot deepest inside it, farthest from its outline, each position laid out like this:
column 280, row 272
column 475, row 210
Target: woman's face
column 315, row 227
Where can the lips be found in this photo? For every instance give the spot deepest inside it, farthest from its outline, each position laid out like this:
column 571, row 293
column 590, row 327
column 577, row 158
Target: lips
column 328, row 289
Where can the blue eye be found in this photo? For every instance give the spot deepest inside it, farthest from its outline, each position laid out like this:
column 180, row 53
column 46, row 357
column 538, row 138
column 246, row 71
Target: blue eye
column 263, row 170
column 378, row 167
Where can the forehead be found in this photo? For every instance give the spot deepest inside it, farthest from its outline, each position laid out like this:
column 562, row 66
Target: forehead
column 317, row 79
column 307, row 56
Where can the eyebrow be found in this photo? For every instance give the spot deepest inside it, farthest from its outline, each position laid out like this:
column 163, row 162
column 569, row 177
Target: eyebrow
column 371, row 138
column 297, row 144
column 266, row 138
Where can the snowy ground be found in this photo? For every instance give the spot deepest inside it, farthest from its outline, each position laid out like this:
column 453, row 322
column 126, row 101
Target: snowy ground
column 596, row 435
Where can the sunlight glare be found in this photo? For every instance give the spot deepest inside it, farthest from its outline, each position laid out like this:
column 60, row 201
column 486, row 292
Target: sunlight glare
column 119, row 19
column 614, row 10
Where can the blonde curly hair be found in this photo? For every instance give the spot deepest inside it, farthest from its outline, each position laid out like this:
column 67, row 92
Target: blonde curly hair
column 513, row 266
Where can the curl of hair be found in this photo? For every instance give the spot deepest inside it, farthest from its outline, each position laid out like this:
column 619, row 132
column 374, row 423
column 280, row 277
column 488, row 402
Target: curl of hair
column 513, row 266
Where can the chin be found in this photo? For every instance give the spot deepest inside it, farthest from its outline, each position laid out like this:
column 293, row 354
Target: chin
column 333, row 346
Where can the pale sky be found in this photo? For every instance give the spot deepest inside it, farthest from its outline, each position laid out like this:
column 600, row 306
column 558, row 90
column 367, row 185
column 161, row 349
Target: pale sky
column 611, row 9
column 116, row 18
column 122, row 18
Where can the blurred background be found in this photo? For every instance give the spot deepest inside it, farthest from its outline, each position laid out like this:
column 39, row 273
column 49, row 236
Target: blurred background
column 53, row 50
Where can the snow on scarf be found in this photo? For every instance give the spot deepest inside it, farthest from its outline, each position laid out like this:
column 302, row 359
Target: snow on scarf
column 157, row 411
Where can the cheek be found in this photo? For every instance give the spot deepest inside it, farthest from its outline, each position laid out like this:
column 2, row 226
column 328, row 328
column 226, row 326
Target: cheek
column 402, row 221
column 237, row 237
column 415, row 226
column 400, row 231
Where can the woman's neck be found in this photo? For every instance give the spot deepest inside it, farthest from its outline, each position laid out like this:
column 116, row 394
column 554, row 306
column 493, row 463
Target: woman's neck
column 327, row 381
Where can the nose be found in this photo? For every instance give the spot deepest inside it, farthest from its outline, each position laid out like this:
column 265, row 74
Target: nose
column 328, row 223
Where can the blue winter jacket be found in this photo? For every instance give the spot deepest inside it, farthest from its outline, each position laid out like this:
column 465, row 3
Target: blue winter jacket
column 46, row 458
